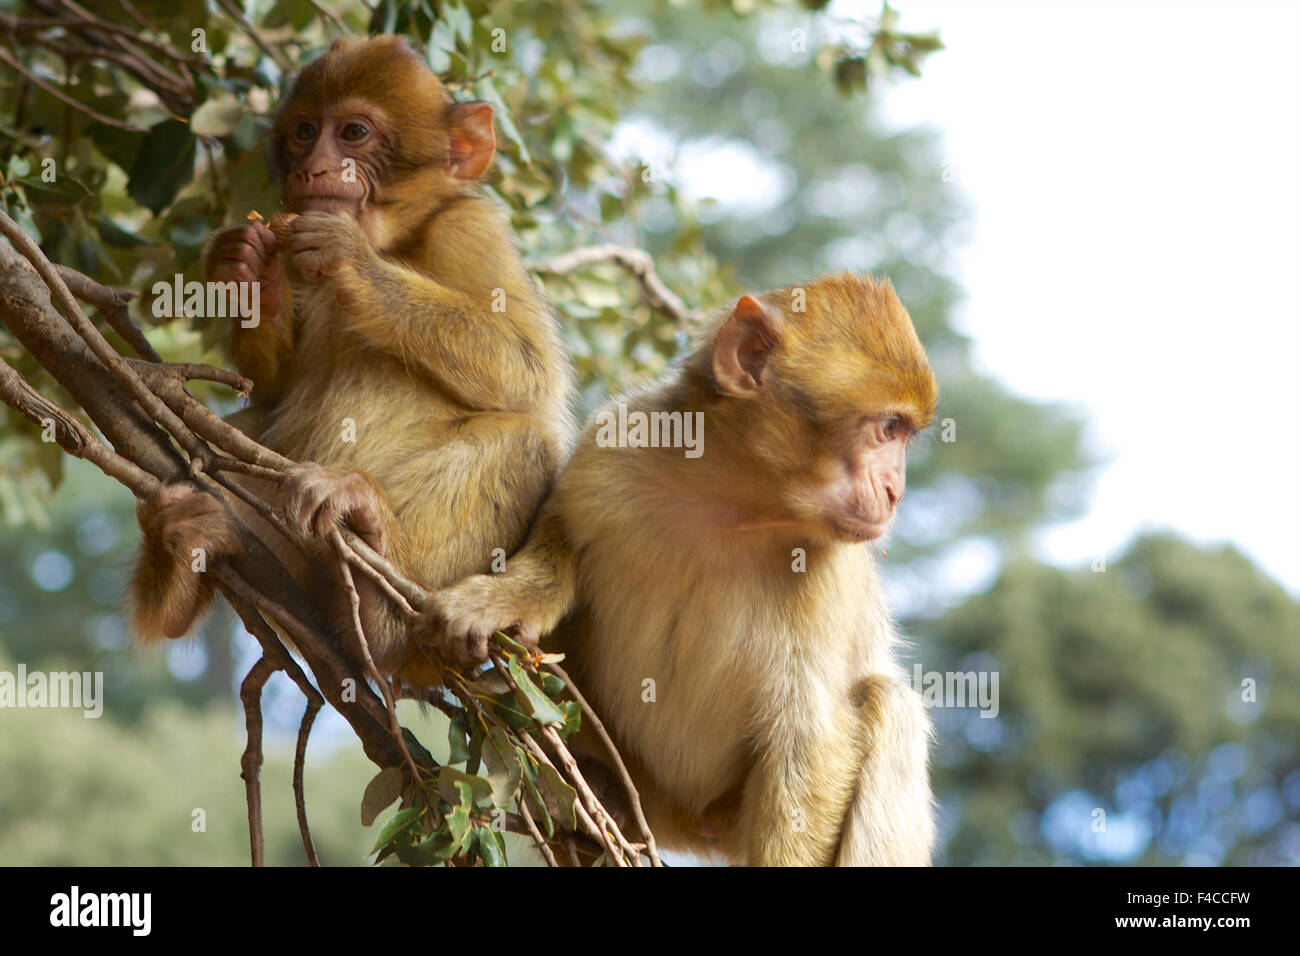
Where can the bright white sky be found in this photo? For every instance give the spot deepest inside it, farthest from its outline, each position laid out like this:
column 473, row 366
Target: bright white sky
column 1136, row 174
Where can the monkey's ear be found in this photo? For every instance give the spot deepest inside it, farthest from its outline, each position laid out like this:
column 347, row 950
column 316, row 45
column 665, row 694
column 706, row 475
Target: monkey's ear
column 473, row 140
column 743, row 345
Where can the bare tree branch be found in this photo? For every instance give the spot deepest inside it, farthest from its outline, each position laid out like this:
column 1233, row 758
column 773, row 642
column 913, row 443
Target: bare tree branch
column 635, row 261
column 7, row 58
column 250, row 692
column 128, row 399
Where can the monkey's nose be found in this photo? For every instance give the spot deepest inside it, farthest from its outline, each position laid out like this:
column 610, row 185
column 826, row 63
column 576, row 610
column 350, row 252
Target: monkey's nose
column 891, row 492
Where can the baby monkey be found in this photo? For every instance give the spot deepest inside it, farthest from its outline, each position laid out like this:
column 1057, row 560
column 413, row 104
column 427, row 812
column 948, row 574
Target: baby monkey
column 722, row 609
column 404, row 355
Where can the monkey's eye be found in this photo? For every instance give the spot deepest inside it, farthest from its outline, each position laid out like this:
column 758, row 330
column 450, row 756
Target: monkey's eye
column 354, row 132
column 881, row 430
column 305, row 130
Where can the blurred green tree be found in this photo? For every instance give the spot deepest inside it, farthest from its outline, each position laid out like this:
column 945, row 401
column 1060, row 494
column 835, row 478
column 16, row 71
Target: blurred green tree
column 1163, row 691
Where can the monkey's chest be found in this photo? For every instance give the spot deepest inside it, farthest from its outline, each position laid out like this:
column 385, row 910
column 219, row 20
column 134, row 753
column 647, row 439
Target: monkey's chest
column 682, row 678
column 350, row 406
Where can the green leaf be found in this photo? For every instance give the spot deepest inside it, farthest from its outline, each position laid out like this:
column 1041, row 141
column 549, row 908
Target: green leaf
column 454, row 786
column 380, row 794
column 65, row 192
column 534, row 701
column 164, row 164
column 534, row 795
column 559, row 795
column 437, row 847
column 491, row 847
column 121, row 146
column 114, row 235
column 475, row 759
column 457, row 731
column 458, row 823
column 503, row 766
column 552, row 686
column 403, row 822
column 572, row 720
column 218, row 116
column 511, row 644
column 419, row 753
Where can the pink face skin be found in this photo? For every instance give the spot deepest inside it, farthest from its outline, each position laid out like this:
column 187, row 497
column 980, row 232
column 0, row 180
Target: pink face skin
column 319, row 145
column 859, row 501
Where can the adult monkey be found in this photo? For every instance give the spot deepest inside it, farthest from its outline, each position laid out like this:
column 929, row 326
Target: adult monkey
column 781, row 730
column 403, row 350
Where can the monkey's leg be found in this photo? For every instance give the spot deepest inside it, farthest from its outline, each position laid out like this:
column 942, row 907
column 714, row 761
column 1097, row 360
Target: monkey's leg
column 801, row 785
column 891, row 820
column 467, row 505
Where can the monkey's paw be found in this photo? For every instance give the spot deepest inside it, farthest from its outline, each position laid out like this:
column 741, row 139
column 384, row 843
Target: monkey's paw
column 469, row 612
column 186, row 520
column 318, row 500
column 326, row 245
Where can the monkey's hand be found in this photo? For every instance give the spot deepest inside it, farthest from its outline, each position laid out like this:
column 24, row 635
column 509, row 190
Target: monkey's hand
column 318, row 500
column 468, row 613
column 247, row 253
column 329, row 246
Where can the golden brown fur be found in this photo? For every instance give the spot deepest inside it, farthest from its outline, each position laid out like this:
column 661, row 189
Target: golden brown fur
column 418, row 363
column 782, row 731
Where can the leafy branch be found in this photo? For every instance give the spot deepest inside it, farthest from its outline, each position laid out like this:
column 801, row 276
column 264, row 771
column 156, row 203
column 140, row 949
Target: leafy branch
column 512, row 719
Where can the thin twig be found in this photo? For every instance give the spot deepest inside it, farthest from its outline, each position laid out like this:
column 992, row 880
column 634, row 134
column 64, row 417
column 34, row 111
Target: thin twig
column 73, row 437
column 61, row 296
column 8, row 59
column 330, row 17
column 637, row 262
column 589, row 714
column 597, row 809
column 235, row 14
column 540, row 840
column 250, row 692
column 274, row 650
column 299, row 763
column 363, row 643
column 182, row 372
column 592, row 827
column 113, row 305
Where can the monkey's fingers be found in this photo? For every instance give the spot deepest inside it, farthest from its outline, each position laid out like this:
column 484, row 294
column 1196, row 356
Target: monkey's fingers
column 243, row 253
column 318, row 501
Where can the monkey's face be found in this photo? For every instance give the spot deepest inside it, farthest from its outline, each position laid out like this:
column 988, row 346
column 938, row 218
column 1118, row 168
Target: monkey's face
column 836, row 478
column 368, row 131
column 336, row 158
column 865, row 482
column 828, row 383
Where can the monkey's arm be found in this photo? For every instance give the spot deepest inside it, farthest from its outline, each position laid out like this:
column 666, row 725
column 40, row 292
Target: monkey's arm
column 247, row 253
column 891, row 820
column 484, row 338
column 264, row 353
column 531, row 596
column 800, row 787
